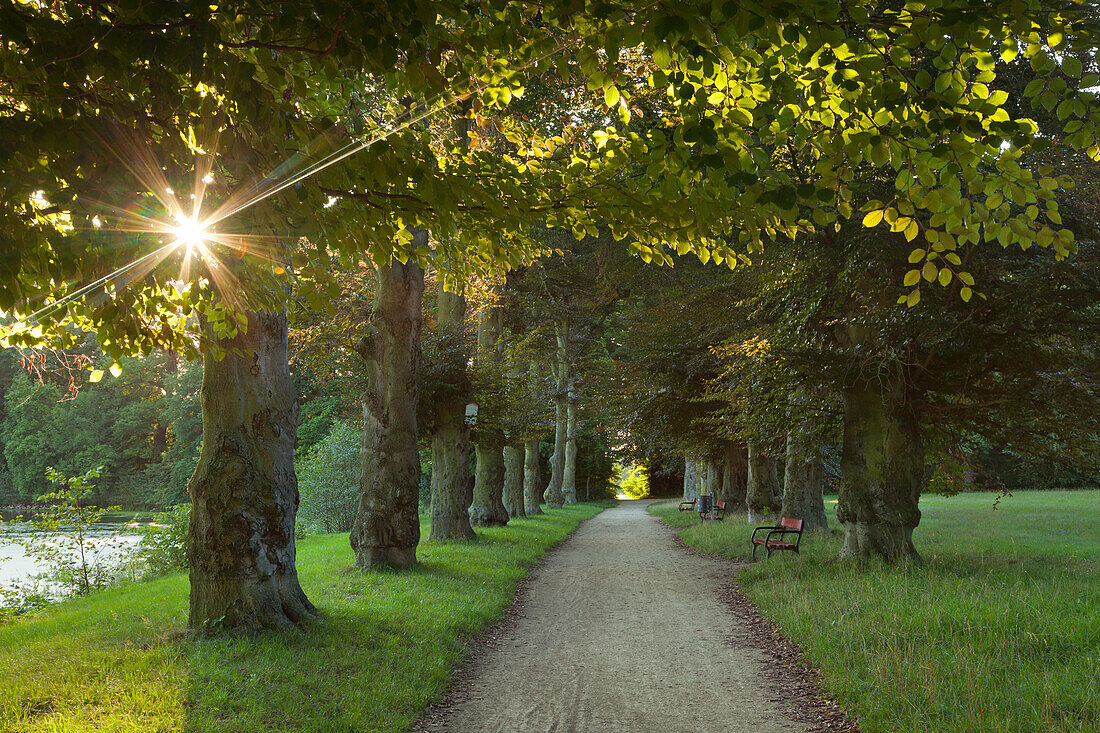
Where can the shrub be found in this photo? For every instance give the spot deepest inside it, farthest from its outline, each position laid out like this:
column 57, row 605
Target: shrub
column 163, row 545
column 328, row 481
column 63, row 538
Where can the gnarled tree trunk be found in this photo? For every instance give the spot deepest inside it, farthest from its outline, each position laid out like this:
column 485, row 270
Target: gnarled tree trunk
column 244, row 492
column 513, row 481
column 735, row 476
column 882, row 472
column 387, row 529
column 532, row 480
column 451, row 442
column 804, row 479
column 763, row 485
column 487, row 509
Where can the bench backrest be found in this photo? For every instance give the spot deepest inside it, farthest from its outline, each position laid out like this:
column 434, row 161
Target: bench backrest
column 789, row 523
column 721, row 504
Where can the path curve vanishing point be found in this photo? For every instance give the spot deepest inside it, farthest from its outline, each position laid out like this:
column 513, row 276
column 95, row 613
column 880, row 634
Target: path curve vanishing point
column 618, row 630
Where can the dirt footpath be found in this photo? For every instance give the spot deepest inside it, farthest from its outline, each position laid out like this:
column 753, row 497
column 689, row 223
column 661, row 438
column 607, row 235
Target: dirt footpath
column 619, row 630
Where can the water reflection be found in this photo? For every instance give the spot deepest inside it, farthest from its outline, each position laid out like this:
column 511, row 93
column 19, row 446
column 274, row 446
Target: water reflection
column 110, row 544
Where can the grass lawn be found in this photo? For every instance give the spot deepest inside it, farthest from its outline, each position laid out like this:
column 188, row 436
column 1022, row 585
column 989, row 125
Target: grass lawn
column 118, row 660
column 998, row 631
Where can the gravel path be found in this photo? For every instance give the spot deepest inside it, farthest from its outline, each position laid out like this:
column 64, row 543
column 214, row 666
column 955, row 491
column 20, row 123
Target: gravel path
column 618, row 630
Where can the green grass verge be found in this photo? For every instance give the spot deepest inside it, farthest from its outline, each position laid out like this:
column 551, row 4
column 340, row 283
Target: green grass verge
column 118, row 660
column 999, row 630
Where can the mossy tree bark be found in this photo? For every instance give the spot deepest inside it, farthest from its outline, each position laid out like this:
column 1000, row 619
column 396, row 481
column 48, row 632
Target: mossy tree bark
column 451, row 442
column 804, row 479
column 735, row 476
column 513, row 481
column 532, row 478
column 691, row 480
column 487, row 508
column 882, row 471
column 762, row 485
column 387, row 529
column 244, row 492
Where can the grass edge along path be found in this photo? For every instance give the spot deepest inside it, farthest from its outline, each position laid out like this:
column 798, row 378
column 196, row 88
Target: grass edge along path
column 386, row 647
column 999, row 630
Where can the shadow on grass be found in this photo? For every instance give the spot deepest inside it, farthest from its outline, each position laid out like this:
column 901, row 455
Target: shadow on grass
column 386, row 644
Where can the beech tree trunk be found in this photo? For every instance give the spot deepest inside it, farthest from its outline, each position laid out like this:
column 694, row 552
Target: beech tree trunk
column 569, row 472
column 712, row 484
column 762, row 486
column 882, row 472
column 513, row 481
column 532, row 480
column 451, row 442
column 691, row 480
column 244, row 492
column 735, row 476
column 386, row 528
column 555, row 497
column 487, row 509
column 804, row 480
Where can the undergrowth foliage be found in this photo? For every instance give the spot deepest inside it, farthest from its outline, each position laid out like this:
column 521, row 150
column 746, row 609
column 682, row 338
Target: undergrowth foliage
column 63, row 538
column 328, row 482
column 163, row 545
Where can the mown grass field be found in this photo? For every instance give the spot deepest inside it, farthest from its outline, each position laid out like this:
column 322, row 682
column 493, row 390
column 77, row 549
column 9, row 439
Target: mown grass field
column 120, row 660
column 999, row 629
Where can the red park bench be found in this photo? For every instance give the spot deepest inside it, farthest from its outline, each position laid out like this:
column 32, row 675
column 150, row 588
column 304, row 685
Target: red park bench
column 787, row 526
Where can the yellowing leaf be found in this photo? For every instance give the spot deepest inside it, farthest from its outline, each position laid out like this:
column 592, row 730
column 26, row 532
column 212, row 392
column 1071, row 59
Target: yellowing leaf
column 930, row 271
column 873, row 218
column 911, row 230
column 116, row 369
column 913, row 299
column 911, row 278
column 966, row 294
column 96, row 375
column 945, row 277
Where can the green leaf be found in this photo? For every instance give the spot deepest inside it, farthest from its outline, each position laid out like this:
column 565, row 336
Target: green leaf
column 611, row 96
column 917, row 255
column 911, row 278
column 930, row 271
column 1071, row 66
column 945, row 277
column 662, row 57
column 966, row 294
column 900, row 56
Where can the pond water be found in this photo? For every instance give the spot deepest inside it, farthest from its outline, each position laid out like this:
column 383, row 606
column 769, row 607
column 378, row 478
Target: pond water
column 109, row 543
